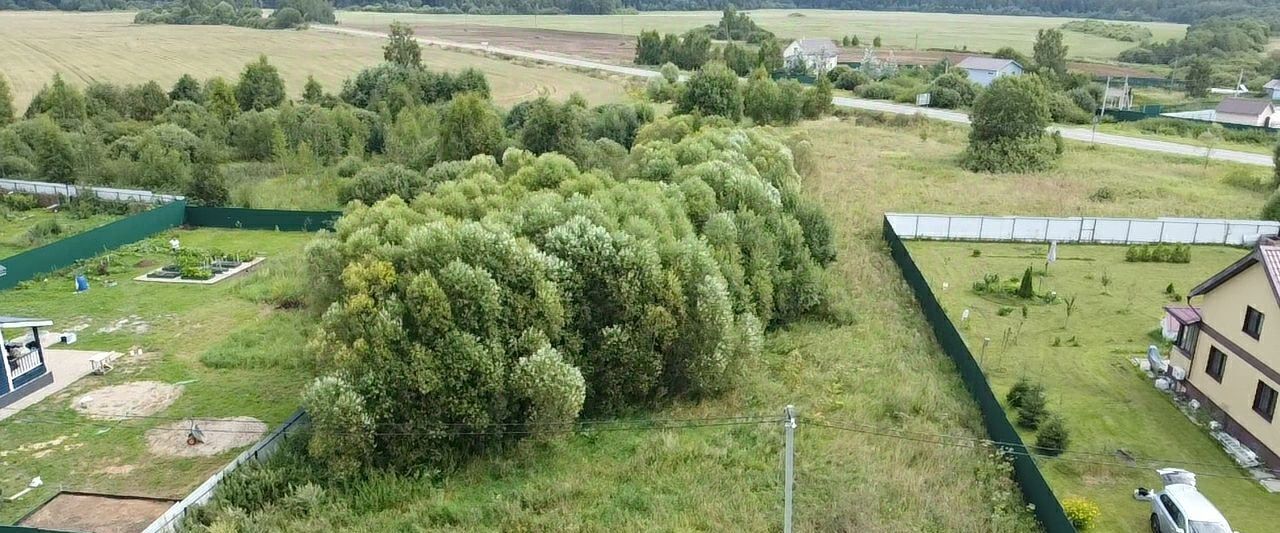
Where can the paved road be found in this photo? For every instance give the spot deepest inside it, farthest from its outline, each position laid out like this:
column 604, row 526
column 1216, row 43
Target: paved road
column 1072, row 133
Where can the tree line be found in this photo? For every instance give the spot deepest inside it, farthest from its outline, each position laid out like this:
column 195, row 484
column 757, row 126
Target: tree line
column 288, row 14
column 1184, row 11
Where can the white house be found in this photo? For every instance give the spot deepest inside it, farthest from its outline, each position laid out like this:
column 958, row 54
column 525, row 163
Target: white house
column 1272, row 88
column 1245, row 111
column 815, row 55
column 984, row 70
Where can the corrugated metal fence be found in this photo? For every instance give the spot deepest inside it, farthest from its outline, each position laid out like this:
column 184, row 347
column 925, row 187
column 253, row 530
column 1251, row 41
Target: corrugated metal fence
column 71, row 191
column 1097, row 230
column 1035, row 489
column 66, row 252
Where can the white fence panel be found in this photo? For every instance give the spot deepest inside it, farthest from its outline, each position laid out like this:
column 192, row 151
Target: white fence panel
column 1081, row 229
column 71, row 191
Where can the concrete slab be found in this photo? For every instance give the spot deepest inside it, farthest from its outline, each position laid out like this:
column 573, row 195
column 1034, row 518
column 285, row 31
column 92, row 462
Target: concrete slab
column 67, row 366
column 1272, row 485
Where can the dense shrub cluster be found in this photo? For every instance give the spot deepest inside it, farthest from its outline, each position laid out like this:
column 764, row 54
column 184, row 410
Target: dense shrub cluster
column 287, row 14
column 1007, row 134
column 1119, row 31
column 1158, row 253
column 715, row 90
column 693, row 49
column 513, row 294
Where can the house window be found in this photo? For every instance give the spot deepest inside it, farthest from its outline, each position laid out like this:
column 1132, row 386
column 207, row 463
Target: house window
column 1187, row 337
column 1264, row 401
column 1253, row 322
column 1217, row 363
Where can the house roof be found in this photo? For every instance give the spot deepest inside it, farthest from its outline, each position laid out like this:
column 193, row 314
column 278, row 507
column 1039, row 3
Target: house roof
column 18, row 322
column 818, row 46
column 1243, row 106
column 985, row 63
column 1273, row 84
column 1184, row 314
column 1267, row 252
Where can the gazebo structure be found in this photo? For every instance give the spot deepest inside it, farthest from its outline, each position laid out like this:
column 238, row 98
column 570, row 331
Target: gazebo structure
column 24, row 365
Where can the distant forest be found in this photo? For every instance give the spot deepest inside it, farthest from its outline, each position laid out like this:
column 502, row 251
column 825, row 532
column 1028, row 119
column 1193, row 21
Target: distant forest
column 1185, row 11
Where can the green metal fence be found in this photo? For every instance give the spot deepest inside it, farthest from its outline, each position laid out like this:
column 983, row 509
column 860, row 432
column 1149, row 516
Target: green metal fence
column 277, row 219
column 26, row 529
column 1035, row 489
column 66, row 252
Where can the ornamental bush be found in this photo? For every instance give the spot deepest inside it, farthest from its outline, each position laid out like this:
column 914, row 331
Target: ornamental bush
column 1053, row 436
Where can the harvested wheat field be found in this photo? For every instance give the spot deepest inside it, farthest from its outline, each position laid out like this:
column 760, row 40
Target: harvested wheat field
column 109, row 47
column 118, row 402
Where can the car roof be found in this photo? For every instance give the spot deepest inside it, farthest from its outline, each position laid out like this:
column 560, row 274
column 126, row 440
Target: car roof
column 1193, row 504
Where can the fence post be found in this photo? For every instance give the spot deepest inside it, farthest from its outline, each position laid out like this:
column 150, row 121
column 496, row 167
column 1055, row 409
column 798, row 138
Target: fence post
column 789, row 426
column 948, row 228
column 982, row 223
column 1127, row 230
column 1046, row 229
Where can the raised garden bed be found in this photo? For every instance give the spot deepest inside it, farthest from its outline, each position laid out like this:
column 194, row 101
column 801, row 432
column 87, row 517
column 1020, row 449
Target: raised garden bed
column 205, row 274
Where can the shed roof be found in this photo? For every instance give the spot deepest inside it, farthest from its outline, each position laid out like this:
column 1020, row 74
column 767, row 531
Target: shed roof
column 1243, row 106
column 985, row 63
column 818, row 46
column 1273, row 84
column 1184, row 314
column 19, row 322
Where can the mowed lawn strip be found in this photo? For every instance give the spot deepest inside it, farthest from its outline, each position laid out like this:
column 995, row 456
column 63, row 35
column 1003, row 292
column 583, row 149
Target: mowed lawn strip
column 240, row 357
column 102, row 47
column 1108, row 404
column 976, row 33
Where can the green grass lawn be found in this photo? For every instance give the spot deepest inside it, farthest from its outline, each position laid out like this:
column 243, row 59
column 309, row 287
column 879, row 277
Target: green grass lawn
column 1126, row 129
column 240, row 355
column 985, row 33
column 1108, row 404
column 16, row 235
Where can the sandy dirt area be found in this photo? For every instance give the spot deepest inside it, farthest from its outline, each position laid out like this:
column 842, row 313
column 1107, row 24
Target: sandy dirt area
column 138, row 398
column 220, row 435
column 97, row 513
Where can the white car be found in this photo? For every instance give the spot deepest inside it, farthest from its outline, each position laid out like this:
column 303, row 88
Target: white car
column 1181, row 508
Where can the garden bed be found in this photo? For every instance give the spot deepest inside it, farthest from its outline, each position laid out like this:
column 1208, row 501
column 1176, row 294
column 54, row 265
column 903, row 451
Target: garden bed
column 205, row 274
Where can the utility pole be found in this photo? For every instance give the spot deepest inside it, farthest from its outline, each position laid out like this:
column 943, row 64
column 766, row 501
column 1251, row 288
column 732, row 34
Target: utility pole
column 1093, row 139
column 789, row 425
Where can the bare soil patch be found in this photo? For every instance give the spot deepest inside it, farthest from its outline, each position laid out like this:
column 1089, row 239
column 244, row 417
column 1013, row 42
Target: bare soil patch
column 598, row 46
column 220, row 435
column 98, row 513
column 138, row 398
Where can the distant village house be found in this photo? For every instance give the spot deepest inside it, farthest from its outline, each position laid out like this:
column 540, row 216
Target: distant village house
column 1272, row 88
column 984, row 70
column 812, row 55
column 1245, row 111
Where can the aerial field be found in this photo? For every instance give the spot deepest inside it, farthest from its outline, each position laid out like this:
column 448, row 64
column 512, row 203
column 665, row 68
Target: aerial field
column 974, row 33
column 109, row 47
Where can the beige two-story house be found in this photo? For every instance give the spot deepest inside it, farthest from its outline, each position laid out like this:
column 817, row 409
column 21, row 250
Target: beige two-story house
column 1228, row 346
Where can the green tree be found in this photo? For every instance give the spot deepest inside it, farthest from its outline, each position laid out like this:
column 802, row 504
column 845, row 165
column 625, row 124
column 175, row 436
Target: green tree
column 342, row 430
column 147, row 101
column 312, row 92
column 1026, row 289
column 207, row 186
column 470, row 126
column 760, row 98
column 260, row 86
column 1008, row 123
column 186, row 88
column 6, row 103
column 1199, row 77
column 738, row 59
column 712, row 90
column 1271, row 210
column 649, row 48
column 1050, row 52
column 770, row 55
column 855, row 41
column 62, row 102
column 286, row 18
column 552, row 127
column 817, row 100
column 402, row 48
column 876, row 42
column 55, row 158
column 220, row 98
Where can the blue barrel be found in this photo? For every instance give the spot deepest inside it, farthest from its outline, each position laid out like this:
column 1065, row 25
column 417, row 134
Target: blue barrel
column 82, row 283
